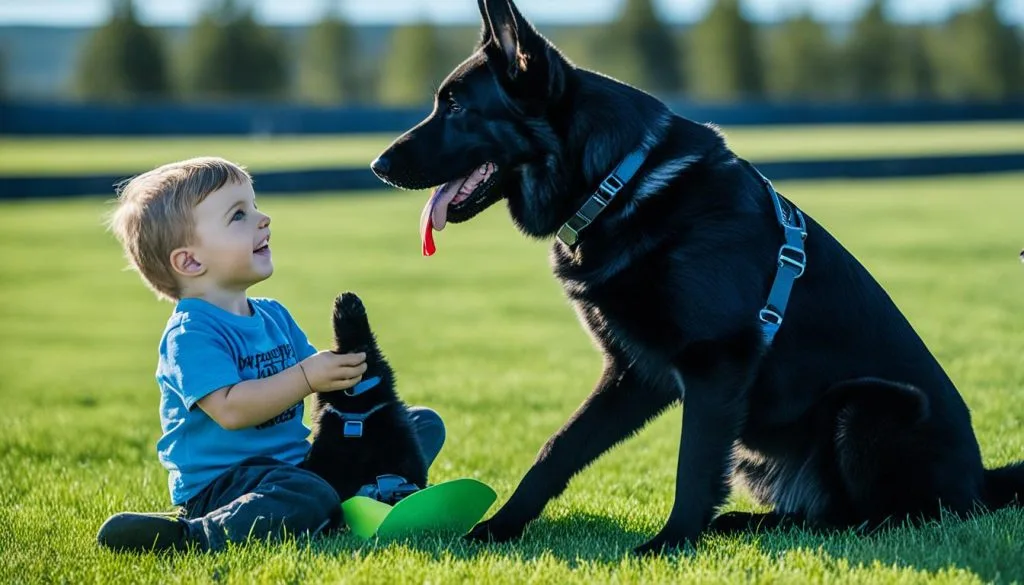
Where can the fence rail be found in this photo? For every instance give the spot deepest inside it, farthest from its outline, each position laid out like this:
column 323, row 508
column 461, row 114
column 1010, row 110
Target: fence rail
column 73, row 119
column 354, row 179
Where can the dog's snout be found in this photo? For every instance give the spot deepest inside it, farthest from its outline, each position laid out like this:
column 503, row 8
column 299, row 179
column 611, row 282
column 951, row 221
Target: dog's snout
column 381, row 165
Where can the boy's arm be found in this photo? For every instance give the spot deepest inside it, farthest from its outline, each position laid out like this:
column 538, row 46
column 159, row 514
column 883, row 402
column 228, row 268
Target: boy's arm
column 251, row 402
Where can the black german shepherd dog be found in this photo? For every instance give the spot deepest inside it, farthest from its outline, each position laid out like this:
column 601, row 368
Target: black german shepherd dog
column 359, row 436
column 844, row 420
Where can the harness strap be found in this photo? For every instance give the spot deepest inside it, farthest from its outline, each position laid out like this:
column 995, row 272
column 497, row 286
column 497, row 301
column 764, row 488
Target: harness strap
column 792, row 259
column 353, row 428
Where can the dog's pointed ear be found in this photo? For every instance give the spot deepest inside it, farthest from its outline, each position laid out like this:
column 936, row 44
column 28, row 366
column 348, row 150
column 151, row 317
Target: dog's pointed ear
column 485, row 28
column 519, row 53
column 512, row 34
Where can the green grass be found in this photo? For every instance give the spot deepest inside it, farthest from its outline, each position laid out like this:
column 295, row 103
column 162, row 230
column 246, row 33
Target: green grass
column 48, row 156
column 482, row 333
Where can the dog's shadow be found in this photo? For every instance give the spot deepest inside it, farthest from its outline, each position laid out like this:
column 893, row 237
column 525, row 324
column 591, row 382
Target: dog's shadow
column 990, row 547
column 579, row 538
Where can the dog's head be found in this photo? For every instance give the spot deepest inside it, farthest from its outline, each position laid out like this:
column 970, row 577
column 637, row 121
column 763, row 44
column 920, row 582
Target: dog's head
column 506, row 123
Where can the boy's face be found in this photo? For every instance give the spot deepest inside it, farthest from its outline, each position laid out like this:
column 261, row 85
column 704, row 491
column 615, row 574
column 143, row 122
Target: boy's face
column 232, row 238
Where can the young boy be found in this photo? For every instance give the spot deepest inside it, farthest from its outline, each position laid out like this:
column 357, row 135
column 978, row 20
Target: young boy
column 233, row 370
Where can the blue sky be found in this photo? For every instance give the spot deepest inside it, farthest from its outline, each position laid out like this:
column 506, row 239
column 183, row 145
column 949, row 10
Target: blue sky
column 85, row 12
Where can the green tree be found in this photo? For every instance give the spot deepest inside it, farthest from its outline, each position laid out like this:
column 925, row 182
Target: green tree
column 414, row 66
column 231, row 55
column 870, row 53
column 724, row 57
column 803, row 61
column 329, row 66
column 579, row 44
column 639, row 49
column 914, row 74
column 981, row 56
column 122, row 60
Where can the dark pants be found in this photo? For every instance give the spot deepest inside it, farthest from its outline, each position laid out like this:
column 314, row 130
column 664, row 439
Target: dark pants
column 262, row 497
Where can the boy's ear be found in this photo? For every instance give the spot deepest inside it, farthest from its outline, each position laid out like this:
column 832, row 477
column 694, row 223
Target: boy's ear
column 184, row 262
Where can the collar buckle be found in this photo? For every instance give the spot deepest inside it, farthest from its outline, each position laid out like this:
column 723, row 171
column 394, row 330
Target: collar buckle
column 794, row 257
column 569, row 233
column 611, row 186
column 769, row 316
column 353, row 429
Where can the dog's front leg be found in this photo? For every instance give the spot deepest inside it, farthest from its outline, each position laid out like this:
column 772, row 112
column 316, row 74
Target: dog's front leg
column 620, row 405
column 716, row 378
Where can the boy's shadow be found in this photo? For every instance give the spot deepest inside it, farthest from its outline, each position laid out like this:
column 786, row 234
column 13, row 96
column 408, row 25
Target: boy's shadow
column 991, row 546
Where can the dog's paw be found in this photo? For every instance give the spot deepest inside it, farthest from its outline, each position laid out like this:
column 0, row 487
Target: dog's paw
column 736, row 522
column 733, row 522
column 351, row 326
column 348, row 305
column 662, row 545
column 492, row 531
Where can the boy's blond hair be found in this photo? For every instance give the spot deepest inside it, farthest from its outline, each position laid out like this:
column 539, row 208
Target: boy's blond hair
column 153, row 216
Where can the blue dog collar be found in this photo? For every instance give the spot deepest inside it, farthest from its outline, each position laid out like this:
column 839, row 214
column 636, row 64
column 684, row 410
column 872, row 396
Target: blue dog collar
column 569, row 233
column 364, row 386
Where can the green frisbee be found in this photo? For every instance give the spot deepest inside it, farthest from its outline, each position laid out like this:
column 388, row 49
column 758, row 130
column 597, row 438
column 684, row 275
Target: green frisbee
column 450, row 507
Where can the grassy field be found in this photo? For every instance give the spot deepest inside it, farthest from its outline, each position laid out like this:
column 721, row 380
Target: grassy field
column 482, row 333
column 28, row 156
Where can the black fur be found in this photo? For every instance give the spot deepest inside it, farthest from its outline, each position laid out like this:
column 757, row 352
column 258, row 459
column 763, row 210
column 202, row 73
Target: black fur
column 389, row 444
column 845, row 420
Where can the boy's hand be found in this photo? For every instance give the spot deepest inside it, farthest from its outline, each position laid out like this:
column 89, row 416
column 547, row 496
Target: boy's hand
column 328, row 371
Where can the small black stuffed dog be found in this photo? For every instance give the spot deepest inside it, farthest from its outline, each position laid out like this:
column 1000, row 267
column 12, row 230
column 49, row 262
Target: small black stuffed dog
column 363, row 433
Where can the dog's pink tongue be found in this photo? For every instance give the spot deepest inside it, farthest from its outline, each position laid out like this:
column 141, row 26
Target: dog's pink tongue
column 435, row 213
column 427, row 231
column 427, row 224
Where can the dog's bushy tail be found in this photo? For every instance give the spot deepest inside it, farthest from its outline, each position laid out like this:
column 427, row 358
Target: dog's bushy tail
column 1004, row 486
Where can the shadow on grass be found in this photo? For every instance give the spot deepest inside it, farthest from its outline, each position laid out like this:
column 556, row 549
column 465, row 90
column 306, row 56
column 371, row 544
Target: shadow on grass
column 989, row 546
column 580, row 538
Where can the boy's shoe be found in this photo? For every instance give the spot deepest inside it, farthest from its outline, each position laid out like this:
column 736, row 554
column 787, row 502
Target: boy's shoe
column 131, row 531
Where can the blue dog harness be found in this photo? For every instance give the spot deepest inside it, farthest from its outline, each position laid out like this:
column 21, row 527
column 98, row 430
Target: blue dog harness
column 352, row 427
column 792, row 257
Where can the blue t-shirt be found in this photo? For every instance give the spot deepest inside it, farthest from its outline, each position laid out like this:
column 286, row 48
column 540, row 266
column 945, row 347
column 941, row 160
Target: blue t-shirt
column 205, row 348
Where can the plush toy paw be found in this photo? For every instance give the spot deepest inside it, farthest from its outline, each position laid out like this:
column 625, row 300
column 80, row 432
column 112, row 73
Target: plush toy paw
column 351, row 327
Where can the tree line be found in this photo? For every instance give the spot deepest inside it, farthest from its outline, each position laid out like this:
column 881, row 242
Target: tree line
column 724, row 57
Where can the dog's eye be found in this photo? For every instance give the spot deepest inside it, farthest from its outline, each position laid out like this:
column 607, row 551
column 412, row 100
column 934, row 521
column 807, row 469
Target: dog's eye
column 453, row 106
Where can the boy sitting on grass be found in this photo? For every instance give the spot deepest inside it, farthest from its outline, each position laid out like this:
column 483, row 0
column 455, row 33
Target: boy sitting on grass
column 233, row 370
